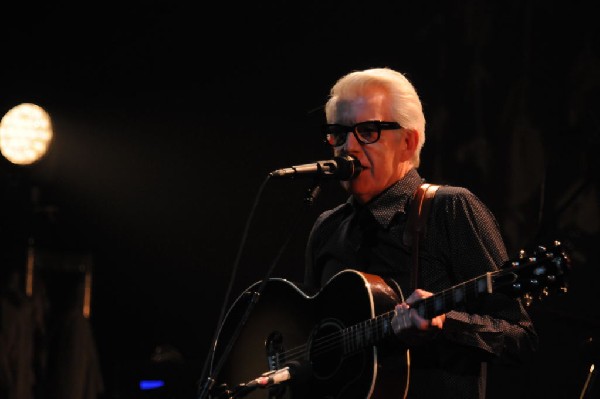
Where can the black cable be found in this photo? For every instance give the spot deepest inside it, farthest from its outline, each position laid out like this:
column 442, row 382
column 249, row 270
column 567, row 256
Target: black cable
column 209, row 379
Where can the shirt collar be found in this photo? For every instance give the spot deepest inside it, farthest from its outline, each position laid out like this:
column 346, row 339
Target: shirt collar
column 392, row 200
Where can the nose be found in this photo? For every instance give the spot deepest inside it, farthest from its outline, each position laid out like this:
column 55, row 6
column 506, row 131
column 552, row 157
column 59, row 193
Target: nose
column 352, row 145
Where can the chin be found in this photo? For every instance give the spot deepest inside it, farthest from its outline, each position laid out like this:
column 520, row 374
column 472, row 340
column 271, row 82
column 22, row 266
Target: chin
column 354, row 187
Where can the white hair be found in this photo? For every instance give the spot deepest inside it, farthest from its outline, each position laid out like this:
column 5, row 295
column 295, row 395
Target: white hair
column 406, row 105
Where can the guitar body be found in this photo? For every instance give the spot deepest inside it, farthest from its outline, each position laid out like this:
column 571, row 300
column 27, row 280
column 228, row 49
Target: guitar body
column 288, row 325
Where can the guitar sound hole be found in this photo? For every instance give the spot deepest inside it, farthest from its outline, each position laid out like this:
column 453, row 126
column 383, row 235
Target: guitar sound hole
column 326, row 349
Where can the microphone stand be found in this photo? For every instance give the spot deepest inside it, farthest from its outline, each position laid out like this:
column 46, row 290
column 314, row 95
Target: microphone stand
column 205, row 388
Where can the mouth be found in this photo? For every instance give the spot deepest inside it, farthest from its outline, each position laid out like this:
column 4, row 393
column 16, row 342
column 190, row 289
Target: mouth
column 347, row 167
column 360, row 170
column 364, row 167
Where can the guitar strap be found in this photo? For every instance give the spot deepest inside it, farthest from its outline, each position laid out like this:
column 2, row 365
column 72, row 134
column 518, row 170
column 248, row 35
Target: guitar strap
column 416, row 226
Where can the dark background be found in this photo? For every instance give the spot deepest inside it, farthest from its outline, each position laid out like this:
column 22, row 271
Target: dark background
column 168, row 117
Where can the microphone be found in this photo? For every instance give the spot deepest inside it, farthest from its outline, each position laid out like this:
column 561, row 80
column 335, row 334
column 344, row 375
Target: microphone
column 271, row 378
column 341, row 168
column 296, row 371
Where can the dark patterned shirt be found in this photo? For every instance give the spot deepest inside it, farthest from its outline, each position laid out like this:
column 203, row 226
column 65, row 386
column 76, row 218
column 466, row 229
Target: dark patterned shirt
column 462, row 242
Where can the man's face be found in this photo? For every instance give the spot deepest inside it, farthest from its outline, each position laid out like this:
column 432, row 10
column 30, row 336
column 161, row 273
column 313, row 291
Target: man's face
column 385, row 161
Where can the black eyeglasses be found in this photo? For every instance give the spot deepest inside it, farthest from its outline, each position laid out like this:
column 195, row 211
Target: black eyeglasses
column 367, row 132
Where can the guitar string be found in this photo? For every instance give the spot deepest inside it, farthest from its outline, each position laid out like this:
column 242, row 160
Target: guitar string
column 354, row 338
column 364, row 332
column 332, row 340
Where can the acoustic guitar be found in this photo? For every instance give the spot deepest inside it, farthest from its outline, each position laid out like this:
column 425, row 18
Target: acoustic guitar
column 336, row 343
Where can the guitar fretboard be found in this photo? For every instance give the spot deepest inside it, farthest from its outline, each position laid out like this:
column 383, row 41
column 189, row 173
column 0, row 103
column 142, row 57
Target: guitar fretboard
column 371, row 331
column 367, row 333
column 524, row 275
column 454, row 297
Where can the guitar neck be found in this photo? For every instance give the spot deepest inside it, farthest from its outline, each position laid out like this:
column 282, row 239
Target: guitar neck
column 371, row 331
column 518, row 277
column 458, row 295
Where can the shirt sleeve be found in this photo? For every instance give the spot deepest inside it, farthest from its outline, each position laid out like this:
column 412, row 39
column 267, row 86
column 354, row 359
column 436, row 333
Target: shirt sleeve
column 471, row 244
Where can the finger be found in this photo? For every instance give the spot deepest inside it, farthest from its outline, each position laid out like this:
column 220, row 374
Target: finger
column 418, row 321
column 418, row 294
column 401, row 320
column 438, row 321
column 414, row 297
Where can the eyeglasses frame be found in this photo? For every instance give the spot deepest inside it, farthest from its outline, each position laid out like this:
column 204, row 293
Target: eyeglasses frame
column 381, row 125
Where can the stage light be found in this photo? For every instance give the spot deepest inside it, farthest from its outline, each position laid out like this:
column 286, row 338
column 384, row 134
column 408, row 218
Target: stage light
column 25, row 134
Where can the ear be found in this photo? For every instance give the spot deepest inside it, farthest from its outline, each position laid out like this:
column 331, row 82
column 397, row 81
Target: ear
column 411, row 140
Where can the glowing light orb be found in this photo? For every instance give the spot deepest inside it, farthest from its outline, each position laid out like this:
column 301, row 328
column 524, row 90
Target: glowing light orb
column 25, row 134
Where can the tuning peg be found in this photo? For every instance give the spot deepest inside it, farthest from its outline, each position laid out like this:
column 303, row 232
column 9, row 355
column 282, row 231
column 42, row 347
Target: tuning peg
column 563, row 289
column 534, row 282
column 532, row 259
column 527, row 299
column 540, row 250
column 543, row 294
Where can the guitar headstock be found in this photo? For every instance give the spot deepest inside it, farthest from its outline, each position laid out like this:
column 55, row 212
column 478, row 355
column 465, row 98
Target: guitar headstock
column 538, row 275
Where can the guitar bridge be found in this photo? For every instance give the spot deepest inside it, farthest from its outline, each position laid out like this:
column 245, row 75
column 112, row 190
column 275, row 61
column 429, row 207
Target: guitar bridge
column 276, row 359
column 275, row 351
